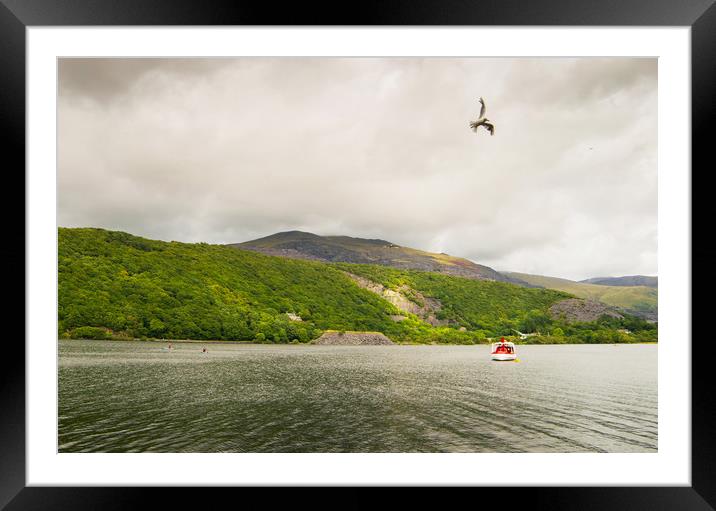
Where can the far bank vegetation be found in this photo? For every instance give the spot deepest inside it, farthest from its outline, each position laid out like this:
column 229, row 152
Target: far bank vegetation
column 115, row 285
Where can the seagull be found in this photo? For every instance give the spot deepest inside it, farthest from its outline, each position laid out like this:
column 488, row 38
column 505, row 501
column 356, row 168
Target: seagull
column 483, row 121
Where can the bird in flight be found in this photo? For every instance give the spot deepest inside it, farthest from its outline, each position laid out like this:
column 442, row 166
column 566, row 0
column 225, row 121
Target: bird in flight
column 483, row 121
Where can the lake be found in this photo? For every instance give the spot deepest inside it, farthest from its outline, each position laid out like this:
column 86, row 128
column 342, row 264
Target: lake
column 135, row 397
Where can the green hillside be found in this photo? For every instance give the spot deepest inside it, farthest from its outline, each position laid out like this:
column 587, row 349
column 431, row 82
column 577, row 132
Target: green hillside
column 113, row 284
column 634, row 298
column 498, row 308
column 176, row 290
column 473, row 304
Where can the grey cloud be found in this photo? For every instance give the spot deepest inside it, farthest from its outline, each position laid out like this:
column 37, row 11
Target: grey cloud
column 103, row 79
column 225, row 150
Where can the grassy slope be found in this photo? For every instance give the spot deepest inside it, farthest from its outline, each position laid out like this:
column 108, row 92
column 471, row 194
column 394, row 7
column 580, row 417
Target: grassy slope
column 627, row 280
column 629, row 297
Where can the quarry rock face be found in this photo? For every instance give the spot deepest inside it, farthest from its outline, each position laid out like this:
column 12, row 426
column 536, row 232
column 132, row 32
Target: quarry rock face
column 353, row 339
column 422, row 306
column 576, row 309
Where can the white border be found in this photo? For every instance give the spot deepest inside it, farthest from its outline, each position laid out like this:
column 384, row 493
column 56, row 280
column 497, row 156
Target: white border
column 671, row 465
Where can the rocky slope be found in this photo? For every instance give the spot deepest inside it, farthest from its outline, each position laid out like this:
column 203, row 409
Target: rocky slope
column 353, row 339
column 576, row 310
column 305, row 245
column 406, row 299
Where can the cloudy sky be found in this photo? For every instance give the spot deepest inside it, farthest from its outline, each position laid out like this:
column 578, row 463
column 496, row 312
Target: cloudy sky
column 228, row 150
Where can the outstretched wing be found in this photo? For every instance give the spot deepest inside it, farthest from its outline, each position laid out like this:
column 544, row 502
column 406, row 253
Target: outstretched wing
column 482, row 108
column 489, row 127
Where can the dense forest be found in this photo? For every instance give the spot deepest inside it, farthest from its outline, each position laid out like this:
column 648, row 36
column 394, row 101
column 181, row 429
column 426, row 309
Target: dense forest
column 116, row 285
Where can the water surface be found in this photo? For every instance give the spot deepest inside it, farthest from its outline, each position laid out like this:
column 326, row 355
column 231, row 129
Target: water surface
column 137, row 397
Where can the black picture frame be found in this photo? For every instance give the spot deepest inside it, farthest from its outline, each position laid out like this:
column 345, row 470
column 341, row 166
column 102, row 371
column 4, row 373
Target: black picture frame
column 16, row 15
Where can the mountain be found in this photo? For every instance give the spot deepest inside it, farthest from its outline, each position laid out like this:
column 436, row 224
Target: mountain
column 344, row 249
column 116, row 285
column 639, row 300
column 630, row 280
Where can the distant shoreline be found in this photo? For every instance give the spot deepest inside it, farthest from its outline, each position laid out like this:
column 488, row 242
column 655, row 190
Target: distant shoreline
column 253, row 343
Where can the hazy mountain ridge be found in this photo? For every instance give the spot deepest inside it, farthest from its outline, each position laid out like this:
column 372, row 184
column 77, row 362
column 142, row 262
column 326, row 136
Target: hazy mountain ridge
column 627, row 280
column 638, row 300
column 345, row 249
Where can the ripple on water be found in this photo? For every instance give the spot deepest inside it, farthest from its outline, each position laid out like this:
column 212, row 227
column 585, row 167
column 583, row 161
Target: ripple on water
column 135, row 397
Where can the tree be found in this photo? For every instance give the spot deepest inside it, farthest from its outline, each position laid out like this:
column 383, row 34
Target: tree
column 302, row 335
column 156, row 327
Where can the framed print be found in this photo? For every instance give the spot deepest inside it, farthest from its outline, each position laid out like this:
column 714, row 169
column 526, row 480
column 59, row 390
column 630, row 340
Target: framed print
column 424, row 250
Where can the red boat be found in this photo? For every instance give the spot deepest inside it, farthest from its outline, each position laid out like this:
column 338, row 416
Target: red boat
column 503, row 351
